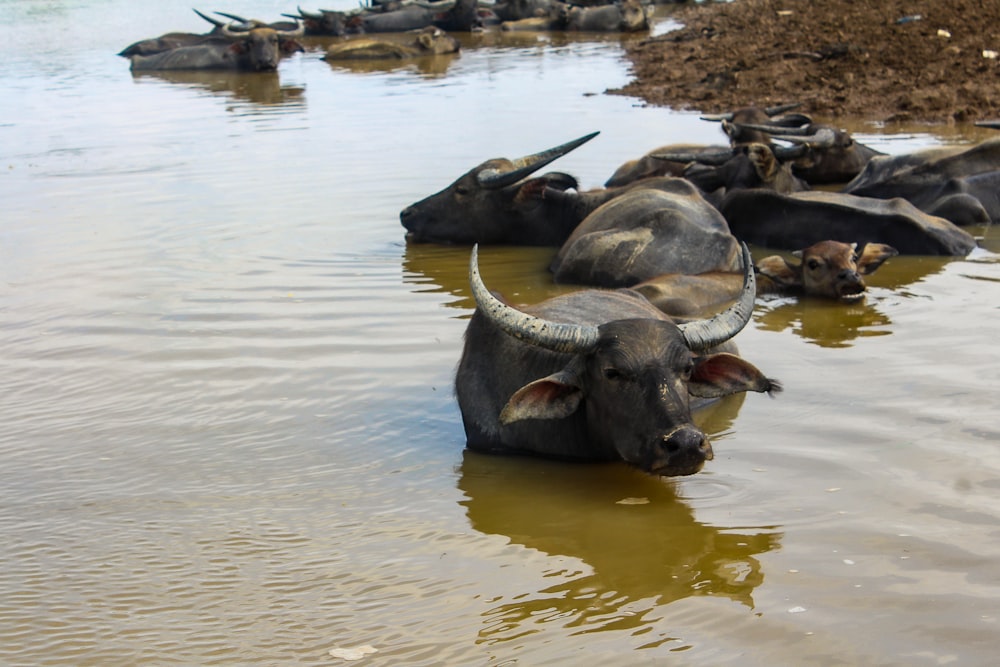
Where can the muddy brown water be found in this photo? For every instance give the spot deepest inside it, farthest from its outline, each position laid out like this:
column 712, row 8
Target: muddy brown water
column 228, row 436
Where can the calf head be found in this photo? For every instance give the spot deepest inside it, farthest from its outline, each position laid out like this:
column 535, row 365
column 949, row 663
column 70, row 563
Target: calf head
column 829, row 268
column 490, row 203
column 434, row 41
column 633, row 379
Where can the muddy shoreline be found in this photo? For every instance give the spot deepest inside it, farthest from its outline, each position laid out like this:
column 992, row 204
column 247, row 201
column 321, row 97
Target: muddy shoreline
column 914, row 60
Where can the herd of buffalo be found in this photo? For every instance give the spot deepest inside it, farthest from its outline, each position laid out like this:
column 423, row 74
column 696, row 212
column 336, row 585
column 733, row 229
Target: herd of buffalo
column 238, row 43
column 613, row 371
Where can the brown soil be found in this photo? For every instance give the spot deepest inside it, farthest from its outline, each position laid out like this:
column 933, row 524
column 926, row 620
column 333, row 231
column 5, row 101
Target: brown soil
column 872, row 59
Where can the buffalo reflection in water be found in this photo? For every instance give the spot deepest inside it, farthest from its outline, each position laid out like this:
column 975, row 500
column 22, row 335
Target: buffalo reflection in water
column 829, row 323
column 520, row 274
column 262, row 88
column 428, row 66
column 823, row 322
column 634, row 556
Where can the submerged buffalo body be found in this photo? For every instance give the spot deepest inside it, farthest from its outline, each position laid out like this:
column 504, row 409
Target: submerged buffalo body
column 797, row 220
column 645, row 232
column 430, row 41
column 622, row 16
column 173, row 40
column 598, row 375
column 960, row 185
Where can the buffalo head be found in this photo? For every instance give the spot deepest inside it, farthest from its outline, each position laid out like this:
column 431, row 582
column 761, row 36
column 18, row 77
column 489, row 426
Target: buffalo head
column 260, row 48
column 323, row 22
column 736, row 123
column 598, row 375
column 828, row 268
column 824, row 154
column 493, row 203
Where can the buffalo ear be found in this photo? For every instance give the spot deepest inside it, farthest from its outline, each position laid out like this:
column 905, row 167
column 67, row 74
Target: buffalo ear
column 717, row 375
column 873, row 255
column 289, row 45
column 238, row 47
column 537, row 188
column 780, row 271
column 552, row 397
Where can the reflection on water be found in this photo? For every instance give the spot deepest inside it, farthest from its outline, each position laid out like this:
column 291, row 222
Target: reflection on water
column 262, row 88
column 520, row 275
column 822, row 321
column 427, row 66
column 634, row 545
column 829, row 323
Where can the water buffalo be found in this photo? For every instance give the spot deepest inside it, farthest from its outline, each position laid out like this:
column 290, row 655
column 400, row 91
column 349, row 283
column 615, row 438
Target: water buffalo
column 496, row 203
column 256, row 50
column 960, row 184
column 620, row 16
column 598, row 375
column 738, row 126
column 800, row 219
column 430, row 41
column 828, row 269
column 646, row 232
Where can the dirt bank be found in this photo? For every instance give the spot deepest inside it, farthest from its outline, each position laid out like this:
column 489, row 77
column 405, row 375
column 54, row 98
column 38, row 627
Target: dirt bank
column 905, row 60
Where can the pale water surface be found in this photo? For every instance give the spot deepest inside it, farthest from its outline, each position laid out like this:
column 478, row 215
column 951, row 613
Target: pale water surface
column 228, row 436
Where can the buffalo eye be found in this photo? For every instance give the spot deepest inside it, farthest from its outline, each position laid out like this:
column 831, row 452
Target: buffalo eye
column 813, row 264
column 461, row 190
column 613, row 374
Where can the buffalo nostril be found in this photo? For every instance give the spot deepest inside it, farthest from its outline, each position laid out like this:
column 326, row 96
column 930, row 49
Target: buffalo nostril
column 687, row 441
column 706, row 449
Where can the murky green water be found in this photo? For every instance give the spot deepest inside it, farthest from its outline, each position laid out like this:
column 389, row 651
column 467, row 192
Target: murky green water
column 228, row 436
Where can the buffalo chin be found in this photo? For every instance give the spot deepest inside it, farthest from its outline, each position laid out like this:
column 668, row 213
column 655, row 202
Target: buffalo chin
column 668, row 470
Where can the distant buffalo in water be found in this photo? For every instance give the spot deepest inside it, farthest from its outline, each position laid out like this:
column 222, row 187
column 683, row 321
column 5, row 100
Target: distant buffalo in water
column 254, row 50
column 430, row 41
